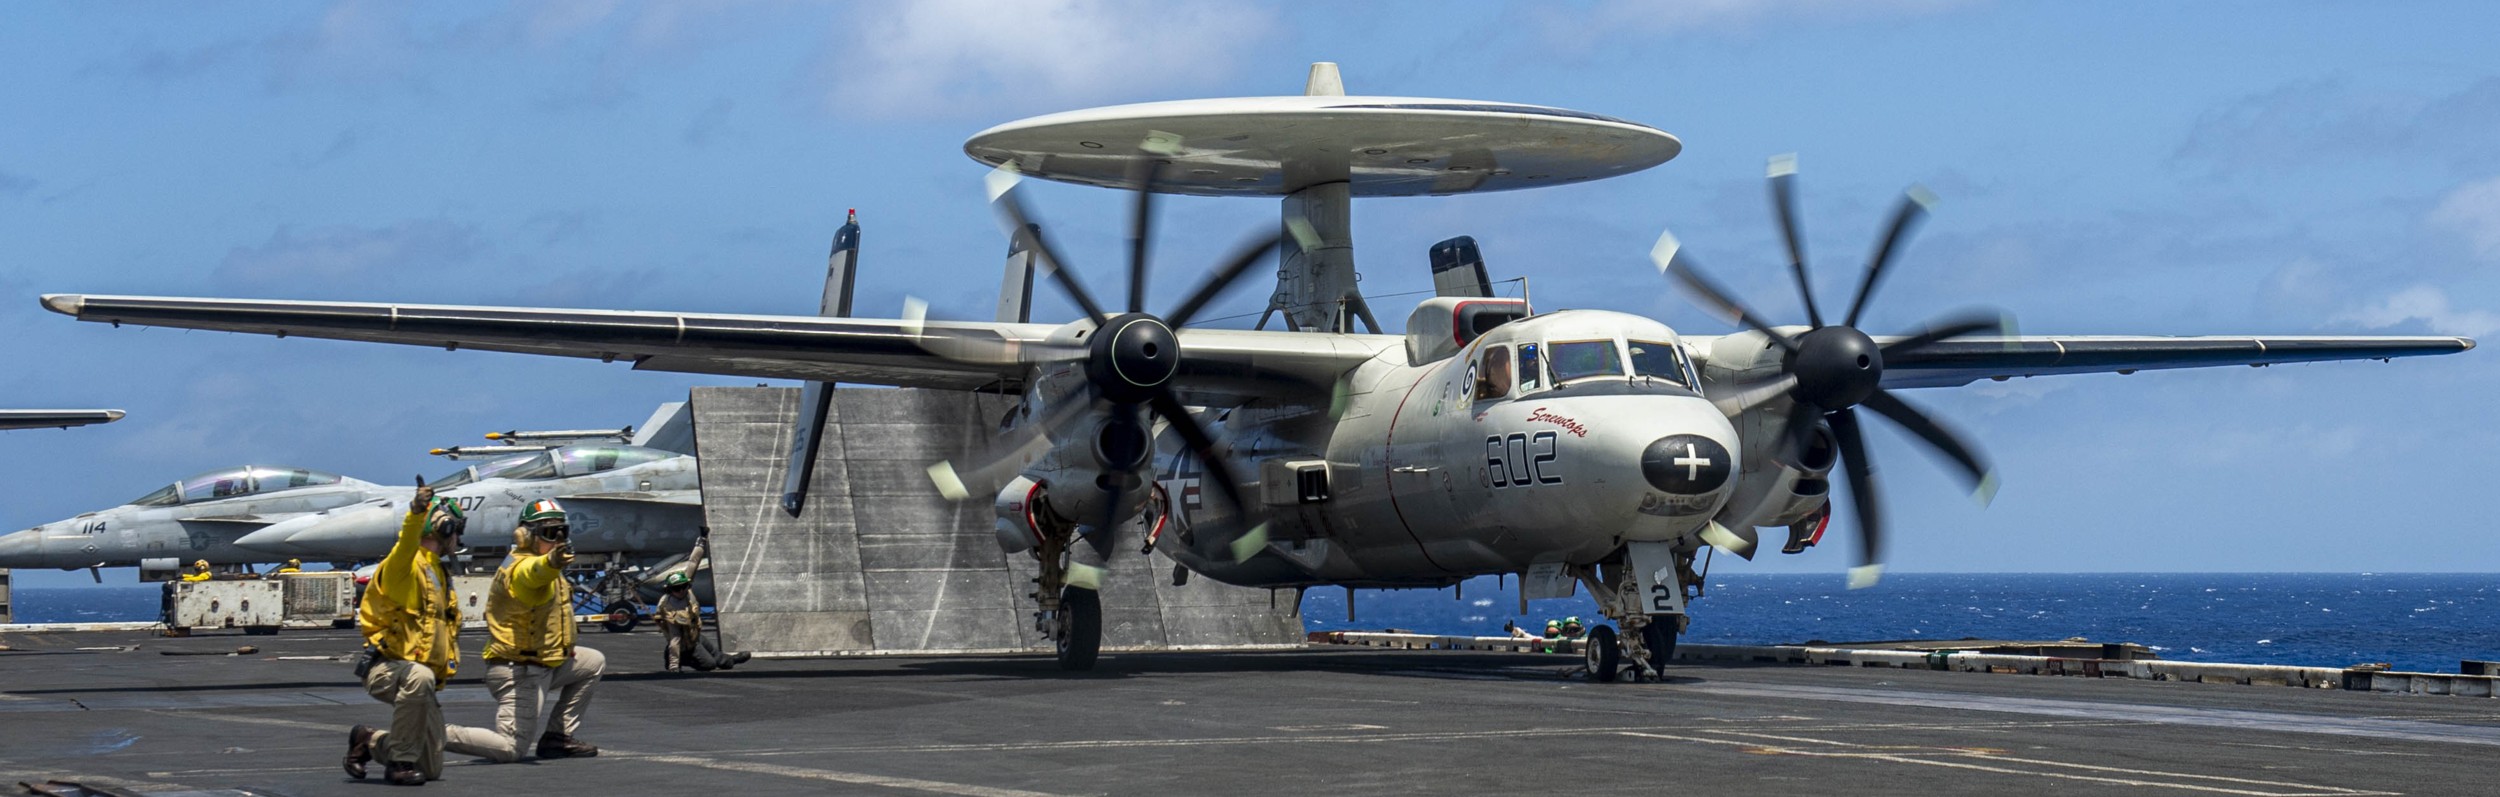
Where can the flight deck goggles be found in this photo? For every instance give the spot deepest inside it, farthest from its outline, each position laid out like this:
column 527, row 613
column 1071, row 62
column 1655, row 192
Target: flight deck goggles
column 551, row 530
column 445, row 519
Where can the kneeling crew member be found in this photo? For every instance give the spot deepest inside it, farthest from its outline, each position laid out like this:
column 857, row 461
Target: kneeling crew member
column 681, row 618
column 412, row 623
column 529, row 614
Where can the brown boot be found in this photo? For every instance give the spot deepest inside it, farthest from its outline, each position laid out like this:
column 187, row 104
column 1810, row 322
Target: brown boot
column 557, row 745
column 359, row 751
column 402, row 774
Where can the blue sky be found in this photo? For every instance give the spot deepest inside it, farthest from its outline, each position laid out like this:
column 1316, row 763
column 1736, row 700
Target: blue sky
column 2105, row 168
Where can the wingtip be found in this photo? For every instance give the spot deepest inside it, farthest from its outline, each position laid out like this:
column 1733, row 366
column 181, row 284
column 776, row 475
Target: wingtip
column 69, row 304
column 113, row 415
column 2467, row 343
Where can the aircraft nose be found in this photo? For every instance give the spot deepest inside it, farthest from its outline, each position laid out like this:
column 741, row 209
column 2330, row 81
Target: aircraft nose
column 20, row 549
column 1686, row 464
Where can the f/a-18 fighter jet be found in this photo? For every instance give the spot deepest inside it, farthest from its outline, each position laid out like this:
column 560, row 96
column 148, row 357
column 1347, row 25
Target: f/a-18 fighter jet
column 194, row 519
column 49, row 419
column 630, row 501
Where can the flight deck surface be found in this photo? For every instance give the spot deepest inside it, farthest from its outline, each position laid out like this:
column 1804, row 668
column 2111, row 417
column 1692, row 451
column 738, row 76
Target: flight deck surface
column 1320, row 721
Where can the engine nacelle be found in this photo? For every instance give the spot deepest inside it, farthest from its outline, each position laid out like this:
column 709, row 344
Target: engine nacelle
column 1771, row 493
column 1019, row 530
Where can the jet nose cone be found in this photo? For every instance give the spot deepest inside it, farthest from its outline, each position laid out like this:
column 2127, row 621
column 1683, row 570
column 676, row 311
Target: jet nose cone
column 1686, row 464
column 21, row 549
column 358, row 532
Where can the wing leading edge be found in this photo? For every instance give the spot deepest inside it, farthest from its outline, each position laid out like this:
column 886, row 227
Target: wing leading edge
column 1222, row 367
column 1961, row 361
column 48, row 419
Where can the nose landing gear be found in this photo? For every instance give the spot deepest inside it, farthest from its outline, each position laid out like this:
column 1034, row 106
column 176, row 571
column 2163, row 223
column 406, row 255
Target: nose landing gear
column 1644, row 591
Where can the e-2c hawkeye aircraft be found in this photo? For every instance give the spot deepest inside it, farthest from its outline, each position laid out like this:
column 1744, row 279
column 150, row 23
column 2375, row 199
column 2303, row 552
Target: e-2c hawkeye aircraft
column 1577, row 446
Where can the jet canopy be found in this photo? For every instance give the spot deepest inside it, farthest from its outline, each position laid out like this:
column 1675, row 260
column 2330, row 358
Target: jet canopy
column 559, row 463
column 235, row 482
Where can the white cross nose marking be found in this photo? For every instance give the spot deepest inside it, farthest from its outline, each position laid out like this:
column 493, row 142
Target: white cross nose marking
column 1692, row 462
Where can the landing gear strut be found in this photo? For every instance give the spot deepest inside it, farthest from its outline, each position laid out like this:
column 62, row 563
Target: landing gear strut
column 1069, row 609
column 1643, row 590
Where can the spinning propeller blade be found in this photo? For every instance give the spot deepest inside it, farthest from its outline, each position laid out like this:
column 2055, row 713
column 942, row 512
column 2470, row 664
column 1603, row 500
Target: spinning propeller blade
column 1832, row 369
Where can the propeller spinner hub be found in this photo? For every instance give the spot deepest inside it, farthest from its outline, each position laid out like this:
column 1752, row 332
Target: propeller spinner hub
column 1131, row 357
column 1836, row 367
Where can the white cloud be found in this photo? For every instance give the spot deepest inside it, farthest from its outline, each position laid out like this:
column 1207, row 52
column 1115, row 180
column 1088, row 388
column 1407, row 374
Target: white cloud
column 2426, row 304
column 973, row 57
column 2473, row 211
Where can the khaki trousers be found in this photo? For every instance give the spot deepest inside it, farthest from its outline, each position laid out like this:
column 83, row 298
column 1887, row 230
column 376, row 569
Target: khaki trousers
column 417, row 731
column 520, row 691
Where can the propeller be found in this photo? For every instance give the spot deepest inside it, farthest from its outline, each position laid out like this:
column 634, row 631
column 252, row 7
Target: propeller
column 1128, row 360
column 1831, row 370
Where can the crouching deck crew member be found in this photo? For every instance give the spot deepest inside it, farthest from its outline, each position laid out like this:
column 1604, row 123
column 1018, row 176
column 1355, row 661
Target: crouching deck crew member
column 529, row 615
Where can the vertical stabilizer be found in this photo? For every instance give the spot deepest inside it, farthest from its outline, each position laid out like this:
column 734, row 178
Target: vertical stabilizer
column 1015, row 287
column 816, row 398
column 1458, row 269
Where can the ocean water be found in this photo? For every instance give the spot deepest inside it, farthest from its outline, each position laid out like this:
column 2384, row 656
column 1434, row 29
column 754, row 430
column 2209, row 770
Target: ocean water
column 2416, row 621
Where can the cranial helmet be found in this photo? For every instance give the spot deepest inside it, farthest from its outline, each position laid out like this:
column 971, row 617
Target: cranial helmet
column 678, row 579
column 201, row 564
column 542, row 509
column 444, row 518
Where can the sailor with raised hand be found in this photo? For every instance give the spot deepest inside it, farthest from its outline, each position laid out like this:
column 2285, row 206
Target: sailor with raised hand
column 411, row 626
column 529, row 615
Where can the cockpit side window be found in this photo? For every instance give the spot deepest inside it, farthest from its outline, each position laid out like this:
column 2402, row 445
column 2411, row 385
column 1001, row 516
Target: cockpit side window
column 1531, row 369
column 1664, row 361
column 1493, row 373
column 1581, row 359
column 581, row 460
column 168, row 495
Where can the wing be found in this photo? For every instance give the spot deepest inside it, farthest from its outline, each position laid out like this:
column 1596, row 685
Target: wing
column 1220, row 367
column 45, row 419
column 1961, row 361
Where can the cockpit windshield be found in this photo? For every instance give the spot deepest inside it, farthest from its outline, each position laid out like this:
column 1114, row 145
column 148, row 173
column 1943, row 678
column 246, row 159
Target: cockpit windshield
column 234, row 482
column 168, row 495
column 1581, row 359
column 581, row 460
column 1663, row 361
column 454, row 479
column 536, row 466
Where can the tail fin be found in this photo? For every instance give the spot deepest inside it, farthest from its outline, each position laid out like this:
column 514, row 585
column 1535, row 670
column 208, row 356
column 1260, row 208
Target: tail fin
column 816, row 398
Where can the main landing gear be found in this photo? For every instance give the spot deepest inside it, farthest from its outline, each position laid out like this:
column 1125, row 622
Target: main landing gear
column 1644, row 590
column 1068, row 598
